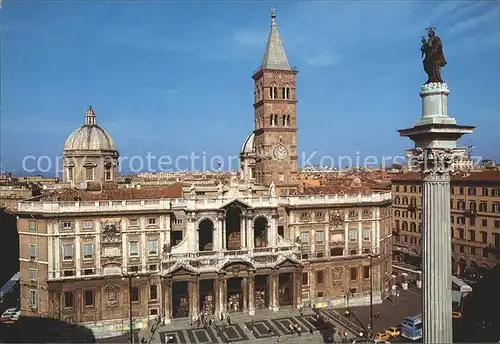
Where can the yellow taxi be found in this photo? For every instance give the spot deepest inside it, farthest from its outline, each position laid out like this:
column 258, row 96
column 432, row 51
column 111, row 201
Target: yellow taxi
column 394, row 331
column 382, row 336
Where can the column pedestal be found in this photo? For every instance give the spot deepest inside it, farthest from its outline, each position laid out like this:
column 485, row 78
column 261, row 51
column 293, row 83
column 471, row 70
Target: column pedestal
column 194, row 298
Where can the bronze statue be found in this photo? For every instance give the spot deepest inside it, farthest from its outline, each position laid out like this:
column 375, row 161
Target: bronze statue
column 434, row 60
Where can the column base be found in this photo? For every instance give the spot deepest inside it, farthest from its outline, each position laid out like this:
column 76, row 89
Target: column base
column 251, row 312
column 274, row 308
column 167, row 321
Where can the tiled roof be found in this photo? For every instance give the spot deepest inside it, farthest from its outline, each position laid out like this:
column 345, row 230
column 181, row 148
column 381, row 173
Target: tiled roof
column 70, row 195
column 469, row 176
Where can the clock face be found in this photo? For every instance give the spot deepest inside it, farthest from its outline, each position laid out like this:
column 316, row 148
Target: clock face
column 280, row 152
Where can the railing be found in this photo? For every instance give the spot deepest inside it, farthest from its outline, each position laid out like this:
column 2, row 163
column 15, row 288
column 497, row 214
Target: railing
column 203, row 255
column 198, row 203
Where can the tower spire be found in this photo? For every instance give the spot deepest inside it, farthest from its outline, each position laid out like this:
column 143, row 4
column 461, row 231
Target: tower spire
column 274, row 56
column 90, row 116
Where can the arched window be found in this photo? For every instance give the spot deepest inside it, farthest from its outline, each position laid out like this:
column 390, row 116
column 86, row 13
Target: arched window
column 285, row 92
column 273, row 92
column 108, row 175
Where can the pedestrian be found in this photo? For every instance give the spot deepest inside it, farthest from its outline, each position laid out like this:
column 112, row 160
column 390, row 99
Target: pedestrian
column 301, row 311
column 228, row 320
column 221, row 316
column 278, row 339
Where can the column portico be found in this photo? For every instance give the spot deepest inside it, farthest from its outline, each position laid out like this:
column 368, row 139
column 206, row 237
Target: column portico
column 274, row 290
column 244, row 288
column 194, row 297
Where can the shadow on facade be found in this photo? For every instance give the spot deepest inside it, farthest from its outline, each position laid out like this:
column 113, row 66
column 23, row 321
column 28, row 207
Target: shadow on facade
column 9, row 246
column 45, row 330
column 481, row 313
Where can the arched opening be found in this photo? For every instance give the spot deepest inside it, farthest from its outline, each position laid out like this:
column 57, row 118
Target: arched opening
column 180, row 299
column 233, row 228
column 206, row 235
column 207, row 296
column 285, row 289
column 234, row 294
column 260, row 232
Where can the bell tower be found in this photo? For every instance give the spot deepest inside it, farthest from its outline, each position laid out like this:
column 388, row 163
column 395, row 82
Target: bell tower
column 275, row 102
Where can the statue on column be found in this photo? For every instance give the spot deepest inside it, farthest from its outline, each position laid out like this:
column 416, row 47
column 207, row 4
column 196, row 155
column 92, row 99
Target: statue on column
column 192, row 190
column 432, row 53
column 272, row 189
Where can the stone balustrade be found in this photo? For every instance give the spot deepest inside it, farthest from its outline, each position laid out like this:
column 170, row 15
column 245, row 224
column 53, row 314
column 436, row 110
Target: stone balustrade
column 197, row 203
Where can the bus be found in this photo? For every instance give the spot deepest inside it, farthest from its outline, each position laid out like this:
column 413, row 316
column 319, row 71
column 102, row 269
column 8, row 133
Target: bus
column 411, row 328
column 459, row 290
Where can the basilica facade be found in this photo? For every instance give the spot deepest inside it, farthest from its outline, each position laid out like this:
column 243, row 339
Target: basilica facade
column 257, row 242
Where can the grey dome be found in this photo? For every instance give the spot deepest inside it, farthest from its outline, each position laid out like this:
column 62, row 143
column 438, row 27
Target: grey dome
column 248, row 146
column 89, row 136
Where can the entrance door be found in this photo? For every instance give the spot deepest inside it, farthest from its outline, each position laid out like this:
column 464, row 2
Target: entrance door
column 180, row 300
column 234, row 295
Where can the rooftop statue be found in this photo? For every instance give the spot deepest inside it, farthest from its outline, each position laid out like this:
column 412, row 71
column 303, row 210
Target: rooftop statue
column 432, row 53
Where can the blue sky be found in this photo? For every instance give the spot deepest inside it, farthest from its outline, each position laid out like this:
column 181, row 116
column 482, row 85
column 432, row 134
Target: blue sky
column 170, row 78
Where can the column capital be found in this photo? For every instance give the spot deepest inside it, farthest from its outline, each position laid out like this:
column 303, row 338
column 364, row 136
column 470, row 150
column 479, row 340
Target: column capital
column 194, row 278
column 436, row 164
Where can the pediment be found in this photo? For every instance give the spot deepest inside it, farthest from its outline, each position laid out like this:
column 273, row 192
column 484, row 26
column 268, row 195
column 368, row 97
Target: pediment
column 288, row 261
column 236, row 203
column 237, row 265
column 181, row 270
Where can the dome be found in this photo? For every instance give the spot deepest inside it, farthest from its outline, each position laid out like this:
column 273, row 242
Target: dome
column 248, row 145
column 89, row 136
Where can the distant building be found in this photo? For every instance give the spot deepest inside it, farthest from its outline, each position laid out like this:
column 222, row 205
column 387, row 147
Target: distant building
column 475, row 219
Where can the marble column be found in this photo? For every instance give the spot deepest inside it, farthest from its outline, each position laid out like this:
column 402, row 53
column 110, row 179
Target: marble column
column 224, row 235
column 435, row 153
column 250, row 243
column 244, row 289
column 274, row 290
column 294, row 289
column 298, row 286
column 243, row 232
column 216, row 297
column 251, row 294
column 167, row 300
column 194, row 297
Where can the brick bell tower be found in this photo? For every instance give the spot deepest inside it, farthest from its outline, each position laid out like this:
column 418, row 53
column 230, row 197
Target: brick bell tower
column 275, row 102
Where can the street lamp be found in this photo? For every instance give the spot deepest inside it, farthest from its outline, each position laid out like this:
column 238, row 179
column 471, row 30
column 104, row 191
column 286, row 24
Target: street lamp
column 130, row 276
column 371, row 255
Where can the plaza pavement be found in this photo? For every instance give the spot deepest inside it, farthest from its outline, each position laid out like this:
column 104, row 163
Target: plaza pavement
column 267, row 327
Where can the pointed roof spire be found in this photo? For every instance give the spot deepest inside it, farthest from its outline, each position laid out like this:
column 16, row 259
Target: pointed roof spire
column 274, row 56
column 90, row 116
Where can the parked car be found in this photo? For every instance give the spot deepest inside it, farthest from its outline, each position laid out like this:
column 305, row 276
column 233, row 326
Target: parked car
column 382, row 336
column 394, row 331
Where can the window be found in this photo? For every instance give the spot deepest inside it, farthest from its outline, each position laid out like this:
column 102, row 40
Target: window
column 134, row 296
column 89, row 174
column 70, row 174
column 472, row 191
column 484, row 222
column 87, row 224
column 286, row 92
column 319, row 216
column 66, row 225
column 485, row 192
column 273, row 92
column 67, row 252
column 472, row 251
column 483, row 207
column 461, row 220
column 32, row 225
column 152, row 247
column 305, row 278
column 153, row 292
column 32, row 251
column 366, row 234
column 107, row 174
column 68, row 299
column 88, row 249
column 495, row 208
column 319, row 277
column 32, row 274
column 33, row 300
column 89, row 298
column 497, row 223
column 472, row 235
column 354, row 274
column 353, row 235
column 366, row 272
column 484, row 237
column 134, row 248
column 320, row 237
column 461, row 190
column 133, row 222
column 304, row 238
column 472, row 206
column 152, row 221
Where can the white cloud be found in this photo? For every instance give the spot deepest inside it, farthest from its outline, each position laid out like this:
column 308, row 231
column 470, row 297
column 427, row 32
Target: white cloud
column 324, row 60
column 251, row 38
column 472, row 23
